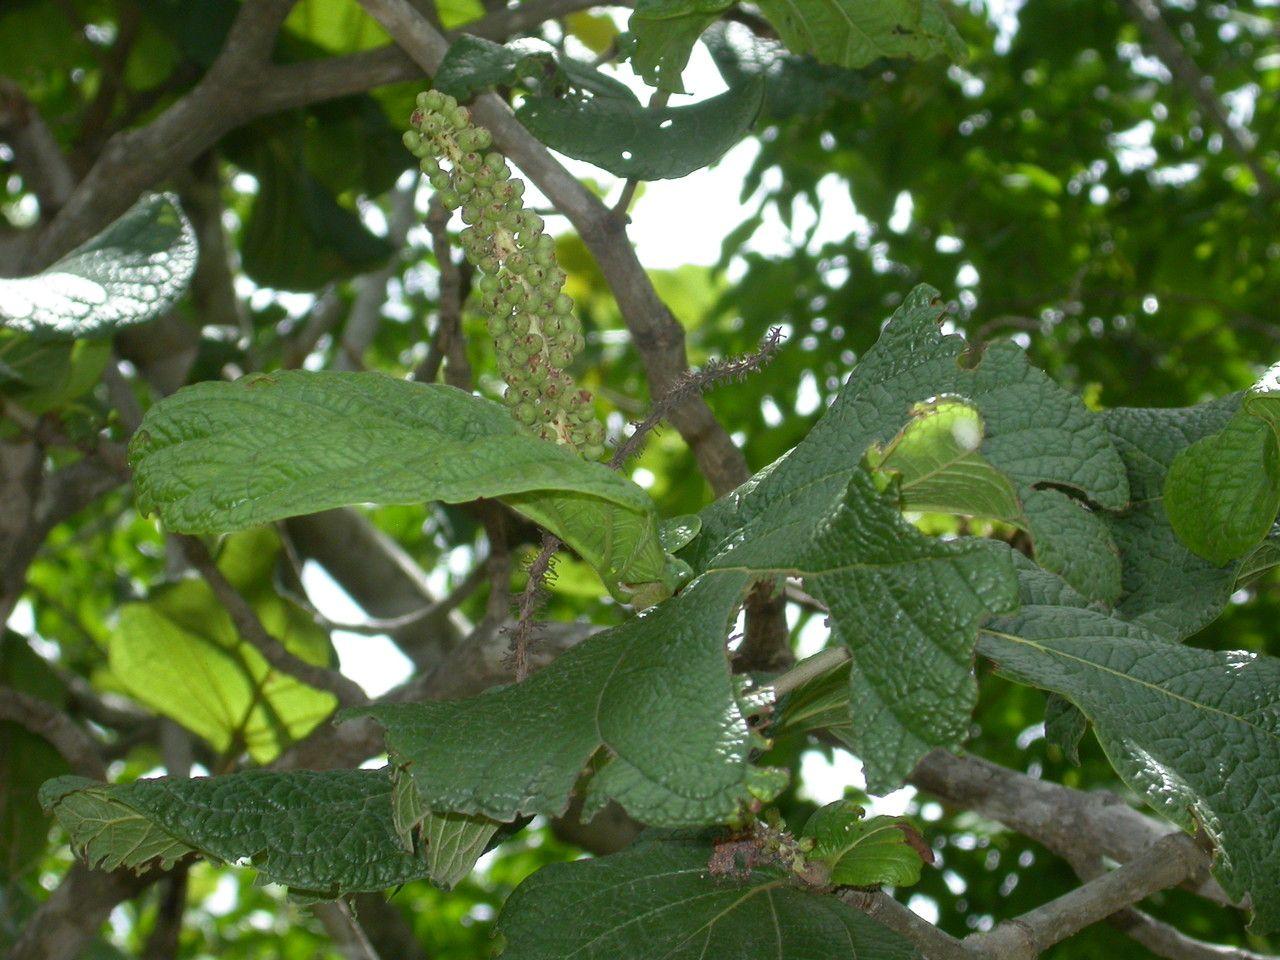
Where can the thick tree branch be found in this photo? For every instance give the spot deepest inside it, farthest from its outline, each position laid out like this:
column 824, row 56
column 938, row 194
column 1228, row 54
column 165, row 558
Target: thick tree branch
column 63, row 734
column 933, row 943
column 1166, row 863
column 75, row 911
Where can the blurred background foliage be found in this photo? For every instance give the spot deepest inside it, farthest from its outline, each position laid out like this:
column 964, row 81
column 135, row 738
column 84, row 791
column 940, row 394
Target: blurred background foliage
column 1061, row 187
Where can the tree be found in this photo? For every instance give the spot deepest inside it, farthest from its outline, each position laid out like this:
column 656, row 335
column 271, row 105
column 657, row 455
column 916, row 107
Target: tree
column 1030, row 513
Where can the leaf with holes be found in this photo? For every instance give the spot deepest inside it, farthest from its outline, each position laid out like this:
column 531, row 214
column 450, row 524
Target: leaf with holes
column 644, row 143
column 130, row 273
column 854, row 33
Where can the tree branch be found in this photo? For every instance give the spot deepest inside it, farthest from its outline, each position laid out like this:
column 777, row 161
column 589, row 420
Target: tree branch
column 74, row 912
column 63, row 734
column 658, row 337
column 933, row 943
column 242, row 85
column 1166, row 863
column 1170, row 51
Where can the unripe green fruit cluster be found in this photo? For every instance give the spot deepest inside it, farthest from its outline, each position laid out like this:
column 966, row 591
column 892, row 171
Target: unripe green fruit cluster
column 531, row 320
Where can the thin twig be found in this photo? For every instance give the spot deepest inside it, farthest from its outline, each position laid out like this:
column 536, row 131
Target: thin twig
column 448, row 342
column 250, row 628
column 66, row 736
column 1200, row 86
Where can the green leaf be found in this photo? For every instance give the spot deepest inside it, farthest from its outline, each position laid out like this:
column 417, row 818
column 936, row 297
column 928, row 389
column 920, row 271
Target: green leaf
column 324, row 834
column 450, row 843
column 1196, row 732
column 474, row 63
column 880, row 851
column 1223, row 491
column 663, row 33
column 1073, row 542
column 180, row 654
column 938, row 467
column 676, row 740
column 641, row 143
column 1064, row 726
column 1165, row 587
column 43, row 375
column 658, row 899
column 216, row 457
column 1036, row 433
column 907, row 605
column 130, row 273
column 854, row 33
column 298, row 236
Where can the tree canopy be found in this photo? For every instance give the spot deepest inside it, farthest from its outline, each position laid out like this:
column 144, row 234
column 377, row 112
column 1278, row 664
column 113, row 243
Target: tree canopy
column 396, row 564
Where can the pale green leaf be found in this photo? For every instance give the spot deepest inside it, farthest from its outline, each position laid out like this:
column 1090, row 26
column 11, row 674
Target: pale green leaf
column 218, row 456
column 862, row 852
column 1222, row 492
column 939, row 469
column 130, row 273
column 180, row 654
column 677, row 740
column 658, row 899
column 318, row 833
column 854, row 33
column 450, row 843
column 1196, row 732
column 644, row 143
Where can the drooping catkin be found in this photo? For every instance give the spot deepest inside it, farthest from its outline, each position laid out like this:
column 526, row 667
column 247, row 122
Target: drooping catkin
column 532, row 321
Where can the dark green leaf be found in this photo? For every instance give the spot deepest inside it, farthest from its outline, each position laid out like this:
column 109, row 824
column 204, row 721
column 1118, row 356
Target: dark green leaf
column 676, row 739
column 1165, row 587
column 1196, row 732
column 26, row 760
column 658, row 899
column 318, row 833
column 907, row 605
column 216, row 457
column 642, row 143
column 130, row 273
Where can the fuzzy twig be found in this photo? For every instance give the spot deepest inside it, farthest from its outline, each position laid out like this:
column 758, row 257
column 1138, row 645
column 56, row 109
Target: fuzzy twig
column 533, row 596
column 694, row 383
